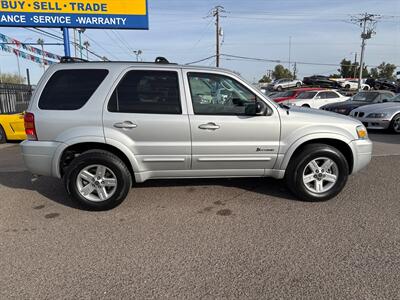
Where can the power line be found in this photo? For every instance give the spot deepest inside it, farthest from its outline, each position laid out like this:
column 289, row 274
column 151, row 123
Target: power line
column 200, row 60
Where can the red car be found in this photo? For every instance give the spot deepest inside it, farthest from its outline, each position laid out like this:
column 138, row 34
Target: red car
column 292, row 94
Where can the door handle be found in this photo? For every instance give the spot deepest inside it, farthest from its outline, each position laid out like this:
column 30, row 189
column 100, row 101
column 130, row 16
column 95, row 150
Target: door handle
column 125, row 125
column 209, row 126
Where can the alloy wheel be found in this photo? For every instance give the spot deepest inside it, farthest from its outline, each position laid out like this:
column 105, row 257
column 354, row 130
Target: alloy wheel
column 96, row 183
column 320, row 175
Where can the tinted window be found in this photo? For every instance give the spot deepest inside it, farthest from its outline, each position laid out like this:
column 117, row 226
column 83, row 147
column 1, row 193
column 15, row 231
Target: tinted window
column 70, row 89
column 218, row 95
column 365, row 96
column 306, row 95
column 147, row 92
column 331, row 95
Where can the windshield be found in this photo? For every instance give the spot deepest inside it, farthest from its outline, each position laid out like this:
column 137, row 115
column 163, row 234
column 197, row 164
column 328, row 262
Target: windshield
column 364, row 97
column 395, row 98
column 306, row 95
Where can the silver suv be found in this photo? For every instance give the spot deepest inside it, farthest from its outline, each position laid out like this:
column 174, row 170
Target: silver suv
column 103, row 126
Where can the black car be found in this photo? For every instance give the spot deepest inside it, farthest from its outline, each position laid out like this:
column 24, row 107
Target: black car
column 383, row 84
column 359, row 99
column 321, row 81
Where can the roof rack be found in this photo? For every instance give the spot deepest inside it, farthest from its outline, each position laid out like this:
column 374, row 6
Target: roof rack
column 158, row 60
column 68, row 59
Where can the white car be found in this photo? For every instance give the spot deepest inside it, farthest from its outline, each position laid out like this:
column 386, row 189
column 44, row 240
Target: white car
column 316, row 99
column 284, row 83
column 353, row 85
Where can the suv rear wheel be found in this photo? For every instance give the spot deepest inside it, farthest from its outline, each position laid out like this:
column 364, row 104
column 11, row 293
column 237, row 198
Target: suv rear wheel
column 318, row 173
column 98, row 179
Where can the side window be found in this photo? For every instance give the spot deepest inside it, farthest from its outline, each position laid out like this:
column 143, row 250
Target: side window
column 331, row 95
column 320, row 95
column 147, row 92
column 70, row 89
column 214, row 94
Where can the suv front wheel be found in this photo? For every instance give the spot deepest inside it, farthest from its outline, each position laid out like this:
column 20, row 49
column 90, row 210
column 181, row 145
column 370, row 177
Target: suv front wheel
column 98, row 179
column 318, row 173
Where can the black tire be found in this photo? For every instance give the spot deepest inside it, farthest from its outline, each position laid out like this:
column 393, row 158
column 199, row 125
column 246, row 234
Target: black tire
column 366, row 88
column 279, row 88
column 347, row 86
column 297, row 165
column 3, row 137
column 298, row 84
column 104, row 158
column 305, row 105
column 395, row 127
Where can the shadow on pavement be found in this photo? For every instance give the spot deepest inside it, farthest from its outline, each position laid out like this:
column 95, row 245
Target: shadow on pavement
column 53, row 189
column 384, row 137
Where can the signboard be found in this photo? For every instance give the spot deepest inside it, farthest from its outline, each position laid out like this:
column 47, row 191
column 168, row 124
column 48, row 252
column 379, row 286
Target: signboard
column 116, row 14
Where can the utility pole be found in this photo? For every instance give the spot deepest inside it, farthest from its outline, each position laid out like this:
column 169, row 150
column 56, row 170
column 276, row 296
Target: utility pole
column 74, row 30
column 80, row 31
column 87, row 45
column 290, row 51
column 368, row 24
column 138, row 53
column 294, row 70
column 41, row 43
column 355, row 65
column 218, row 32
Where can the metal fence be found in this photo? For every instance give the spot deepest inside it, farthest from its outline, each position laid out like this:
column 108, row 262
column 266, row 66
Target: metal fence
column 14, row 98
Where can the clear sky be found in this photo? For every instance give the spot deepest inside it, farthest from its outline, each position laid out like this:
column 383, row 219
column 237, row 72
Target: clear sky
column 180, row 30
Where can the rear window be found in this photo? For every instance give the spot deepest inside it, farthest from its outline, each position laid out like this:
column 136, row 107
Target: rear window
column 71, row 89
column 147, row 92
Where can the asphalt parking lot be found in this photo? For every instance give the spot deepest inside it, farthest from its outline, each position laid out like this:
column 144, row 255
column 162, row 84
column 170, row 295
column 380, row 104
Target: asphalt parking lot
column 238, row 238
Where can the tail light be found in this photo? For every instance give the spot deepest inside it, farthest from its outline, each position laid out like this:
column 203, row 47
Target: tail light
column 30, row 130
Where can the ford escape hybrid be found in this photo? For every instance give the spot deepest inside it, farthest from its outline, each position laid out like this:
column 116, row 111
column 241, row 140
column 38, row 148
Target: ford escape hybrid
column 103, row 126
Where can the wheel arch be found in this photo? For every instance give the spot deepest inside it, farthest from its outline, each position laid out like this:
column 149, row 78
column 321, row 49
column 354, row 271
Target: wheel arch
column 69, row 152
column 337, row 143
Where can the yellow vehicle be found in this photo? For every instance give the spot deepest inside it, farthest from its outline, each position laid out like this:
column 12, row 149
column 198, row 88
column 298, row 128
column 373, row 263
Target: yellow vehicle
column 12, row 128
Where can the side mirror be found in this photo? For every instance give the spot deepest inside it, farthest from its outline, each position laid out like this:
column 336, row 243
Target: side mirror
column 257, row 109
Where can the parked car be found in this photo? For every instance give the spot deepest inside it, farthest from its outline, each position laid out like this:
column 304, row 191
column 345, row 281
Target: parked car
column 280, row 84
column 292, row 94
column 321, row 81
column 384, row 115
column 384, row 84
column 359, row 99
column 316, row 99
column 12, row 127
column 353, row 85
column 101, row 126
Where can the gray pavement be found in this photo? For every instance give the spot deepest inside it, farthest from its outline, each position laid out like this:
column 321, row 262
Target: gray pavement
column 238, row 238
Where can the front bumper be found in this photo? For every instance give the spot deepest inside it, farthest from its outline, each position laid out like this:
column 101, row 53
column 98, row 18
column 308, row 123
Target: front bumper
column 39, row 156
column 375, row 123
column 362, row 154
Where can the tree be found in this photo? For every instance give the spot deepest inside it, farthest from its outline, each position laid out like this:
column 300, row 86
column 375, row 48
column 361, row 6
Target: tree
column 11, row 78
column 384, row 70
column 265, row 79
column 281, row 72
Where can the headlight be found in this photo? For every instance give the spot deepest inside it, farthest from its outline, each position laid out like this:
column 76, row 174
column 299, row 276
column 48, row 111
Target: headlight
column 362, row 132
column 377, row 115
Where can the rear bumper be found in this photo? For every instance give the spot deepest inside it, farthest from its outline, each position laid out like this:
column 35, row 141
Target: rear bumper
column 362, row 153
column 39, row 156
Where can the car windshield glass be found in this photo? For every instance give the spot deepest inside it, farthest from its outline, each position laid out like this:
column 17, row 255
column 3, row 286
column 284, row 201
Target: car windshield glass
column 287, row 94
column 364, row 97
column 395, row 98
column 306, row 95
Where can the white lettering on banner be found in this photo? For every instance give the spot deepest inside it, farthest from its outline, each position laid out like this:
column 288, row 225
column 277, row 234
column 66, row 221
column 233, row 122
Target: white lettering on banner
column 51, row 19
column 13, row 18
column 101, row 21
